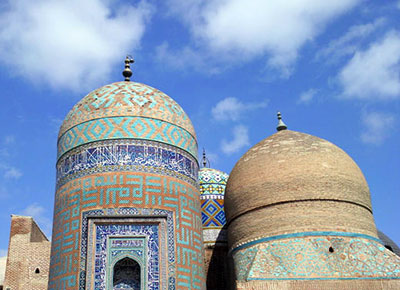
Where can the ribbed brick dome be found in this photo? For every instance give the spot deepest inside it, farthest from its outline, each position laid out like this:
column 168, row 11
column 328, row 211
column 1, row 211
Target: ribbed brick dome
column 295, row 182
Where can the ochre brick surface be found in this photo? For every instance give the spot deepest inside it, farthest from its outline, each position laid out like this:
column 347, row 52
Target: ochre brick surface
column 28, row 250
column 294, row 182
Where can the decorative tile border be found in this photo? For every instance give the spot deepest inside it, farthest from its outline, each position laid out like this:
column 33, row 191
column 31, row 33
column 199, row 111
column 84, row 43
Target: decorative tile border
column 126, row 155
column 315, row 257
column 130, row 127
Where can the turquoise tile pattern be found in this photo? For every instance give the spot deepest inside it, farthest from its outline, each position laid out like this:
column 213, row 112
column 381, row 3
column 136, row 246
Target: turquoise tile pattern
column 316, row 257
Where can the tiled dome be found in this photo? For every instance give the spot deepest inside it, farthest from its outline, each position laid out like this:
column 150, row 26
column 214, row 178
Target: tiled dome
column 127, row 110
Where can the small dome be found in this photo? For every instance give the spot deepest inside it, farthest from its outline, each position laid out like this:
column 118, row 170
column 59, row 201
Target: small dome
column 303, row 182
column 105, row 114
column 212, row 189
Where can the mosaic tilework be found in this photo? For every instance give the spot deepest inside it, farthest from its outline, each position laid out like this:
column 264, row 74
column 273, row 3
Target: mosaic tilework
column 212, row 189
column 129, row 127
column 119, row 190
column 106, row 255
column 127, row 155
column 128, row 216
column 127, row 99
column 316, row 257
column 212, row 214
column 212, row 176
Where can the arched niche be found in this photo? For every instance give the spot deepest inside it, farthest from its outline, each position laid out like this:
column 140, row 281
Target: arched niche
column 127, row 275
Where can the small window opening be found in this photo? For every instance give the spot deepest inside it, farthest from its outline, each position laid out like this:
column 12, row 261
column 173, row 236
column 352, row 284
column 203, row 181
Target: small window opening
column 389, row 248
column 331, row 250
column 37, row 271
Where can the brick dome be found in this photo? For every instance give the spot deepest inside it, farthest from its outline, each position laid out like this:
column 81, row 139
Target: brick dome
column 294, row 182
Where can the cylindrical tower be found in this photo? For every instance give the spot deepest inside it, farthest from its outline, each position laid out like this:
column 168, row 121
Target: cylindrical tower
column 127, row 206
column 212, row 189
column 298, row 209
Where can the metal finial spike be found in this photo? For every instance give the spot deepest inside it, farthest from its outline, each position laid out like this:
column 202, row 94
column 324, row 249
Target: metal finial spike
column 281, row 126
column 127, row 73
column 204, row 158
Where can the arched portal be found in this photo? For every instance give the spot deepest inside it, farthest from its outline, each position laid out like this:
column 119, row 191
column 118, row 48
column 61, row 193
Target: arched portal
column 126, row 275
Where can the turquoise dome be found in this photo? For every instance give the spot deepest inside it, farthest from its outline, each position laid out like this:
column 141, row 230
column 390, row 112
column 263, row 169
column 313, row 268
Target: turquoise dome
column 127, row 110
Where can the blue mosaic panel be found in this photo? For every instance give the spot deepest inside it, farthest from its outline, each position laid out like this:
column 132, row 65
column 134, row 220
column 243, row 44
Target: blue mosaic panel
column 149, row 253
column 127, row 155
column 150, row 258
column 315, row 257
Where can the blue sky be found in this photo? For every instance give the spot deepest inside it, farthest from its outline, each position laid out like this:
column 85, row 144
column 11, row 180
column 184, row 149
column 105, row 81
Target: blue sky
column 331, row 67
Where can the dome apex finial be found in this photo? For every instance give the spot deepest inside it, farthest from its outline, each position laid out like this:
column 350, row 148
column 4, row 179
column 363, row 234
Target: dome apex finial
column 281, row 125
column 127, row 72
column 205, row 160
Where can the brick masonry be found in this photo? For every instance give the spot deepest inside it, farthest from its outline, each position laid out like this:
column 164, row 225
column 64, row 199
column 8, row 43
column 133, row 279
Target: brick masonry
column 28, row 252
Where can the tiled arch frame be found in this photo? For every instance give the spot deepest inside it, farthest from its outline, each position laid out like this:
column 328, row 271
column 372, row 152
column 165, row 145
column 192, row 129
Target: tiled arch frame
column 129, row 215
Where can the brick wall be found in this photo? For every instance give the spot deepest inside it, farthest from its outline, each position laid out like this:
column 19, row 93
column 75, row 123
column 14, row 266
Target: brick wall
column 28, row 256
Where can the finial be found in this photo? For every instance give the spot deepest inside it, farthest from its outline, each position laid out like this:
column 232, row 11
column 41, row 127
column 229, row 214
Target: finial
column 127, row 73
column 205, row 160
column 281, row 126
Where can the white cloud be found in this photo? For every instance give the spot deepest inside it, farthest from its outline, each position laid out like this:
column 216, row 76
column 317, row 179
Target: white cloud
column 240, row 140
column 12, row 173
column 38, row 213
column 307, row 96
column 232, row 109
column 350, row 41
column 69, row 44
column 374, row 73
column 242, row 29
column 377, row 127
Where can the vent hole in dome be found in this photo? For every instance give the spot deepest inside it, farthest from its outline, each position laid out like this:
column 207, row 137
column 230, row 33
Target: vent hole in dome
column 37, row 271
column 389, row 248
column 331, row 250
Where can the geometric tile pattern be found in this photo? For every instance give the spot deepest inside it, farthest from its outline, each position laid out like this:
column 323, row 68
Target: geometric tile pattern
column 127, row 99
column 212, row 188
column 212, row 183
column 316, row 257
column 113, row 190
column 213, row 213
column 127, row 155
column 127, row 127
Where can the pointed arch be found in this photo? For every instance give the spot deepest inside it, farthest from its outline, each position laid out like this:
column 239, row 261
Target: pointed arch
column 126, row 274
